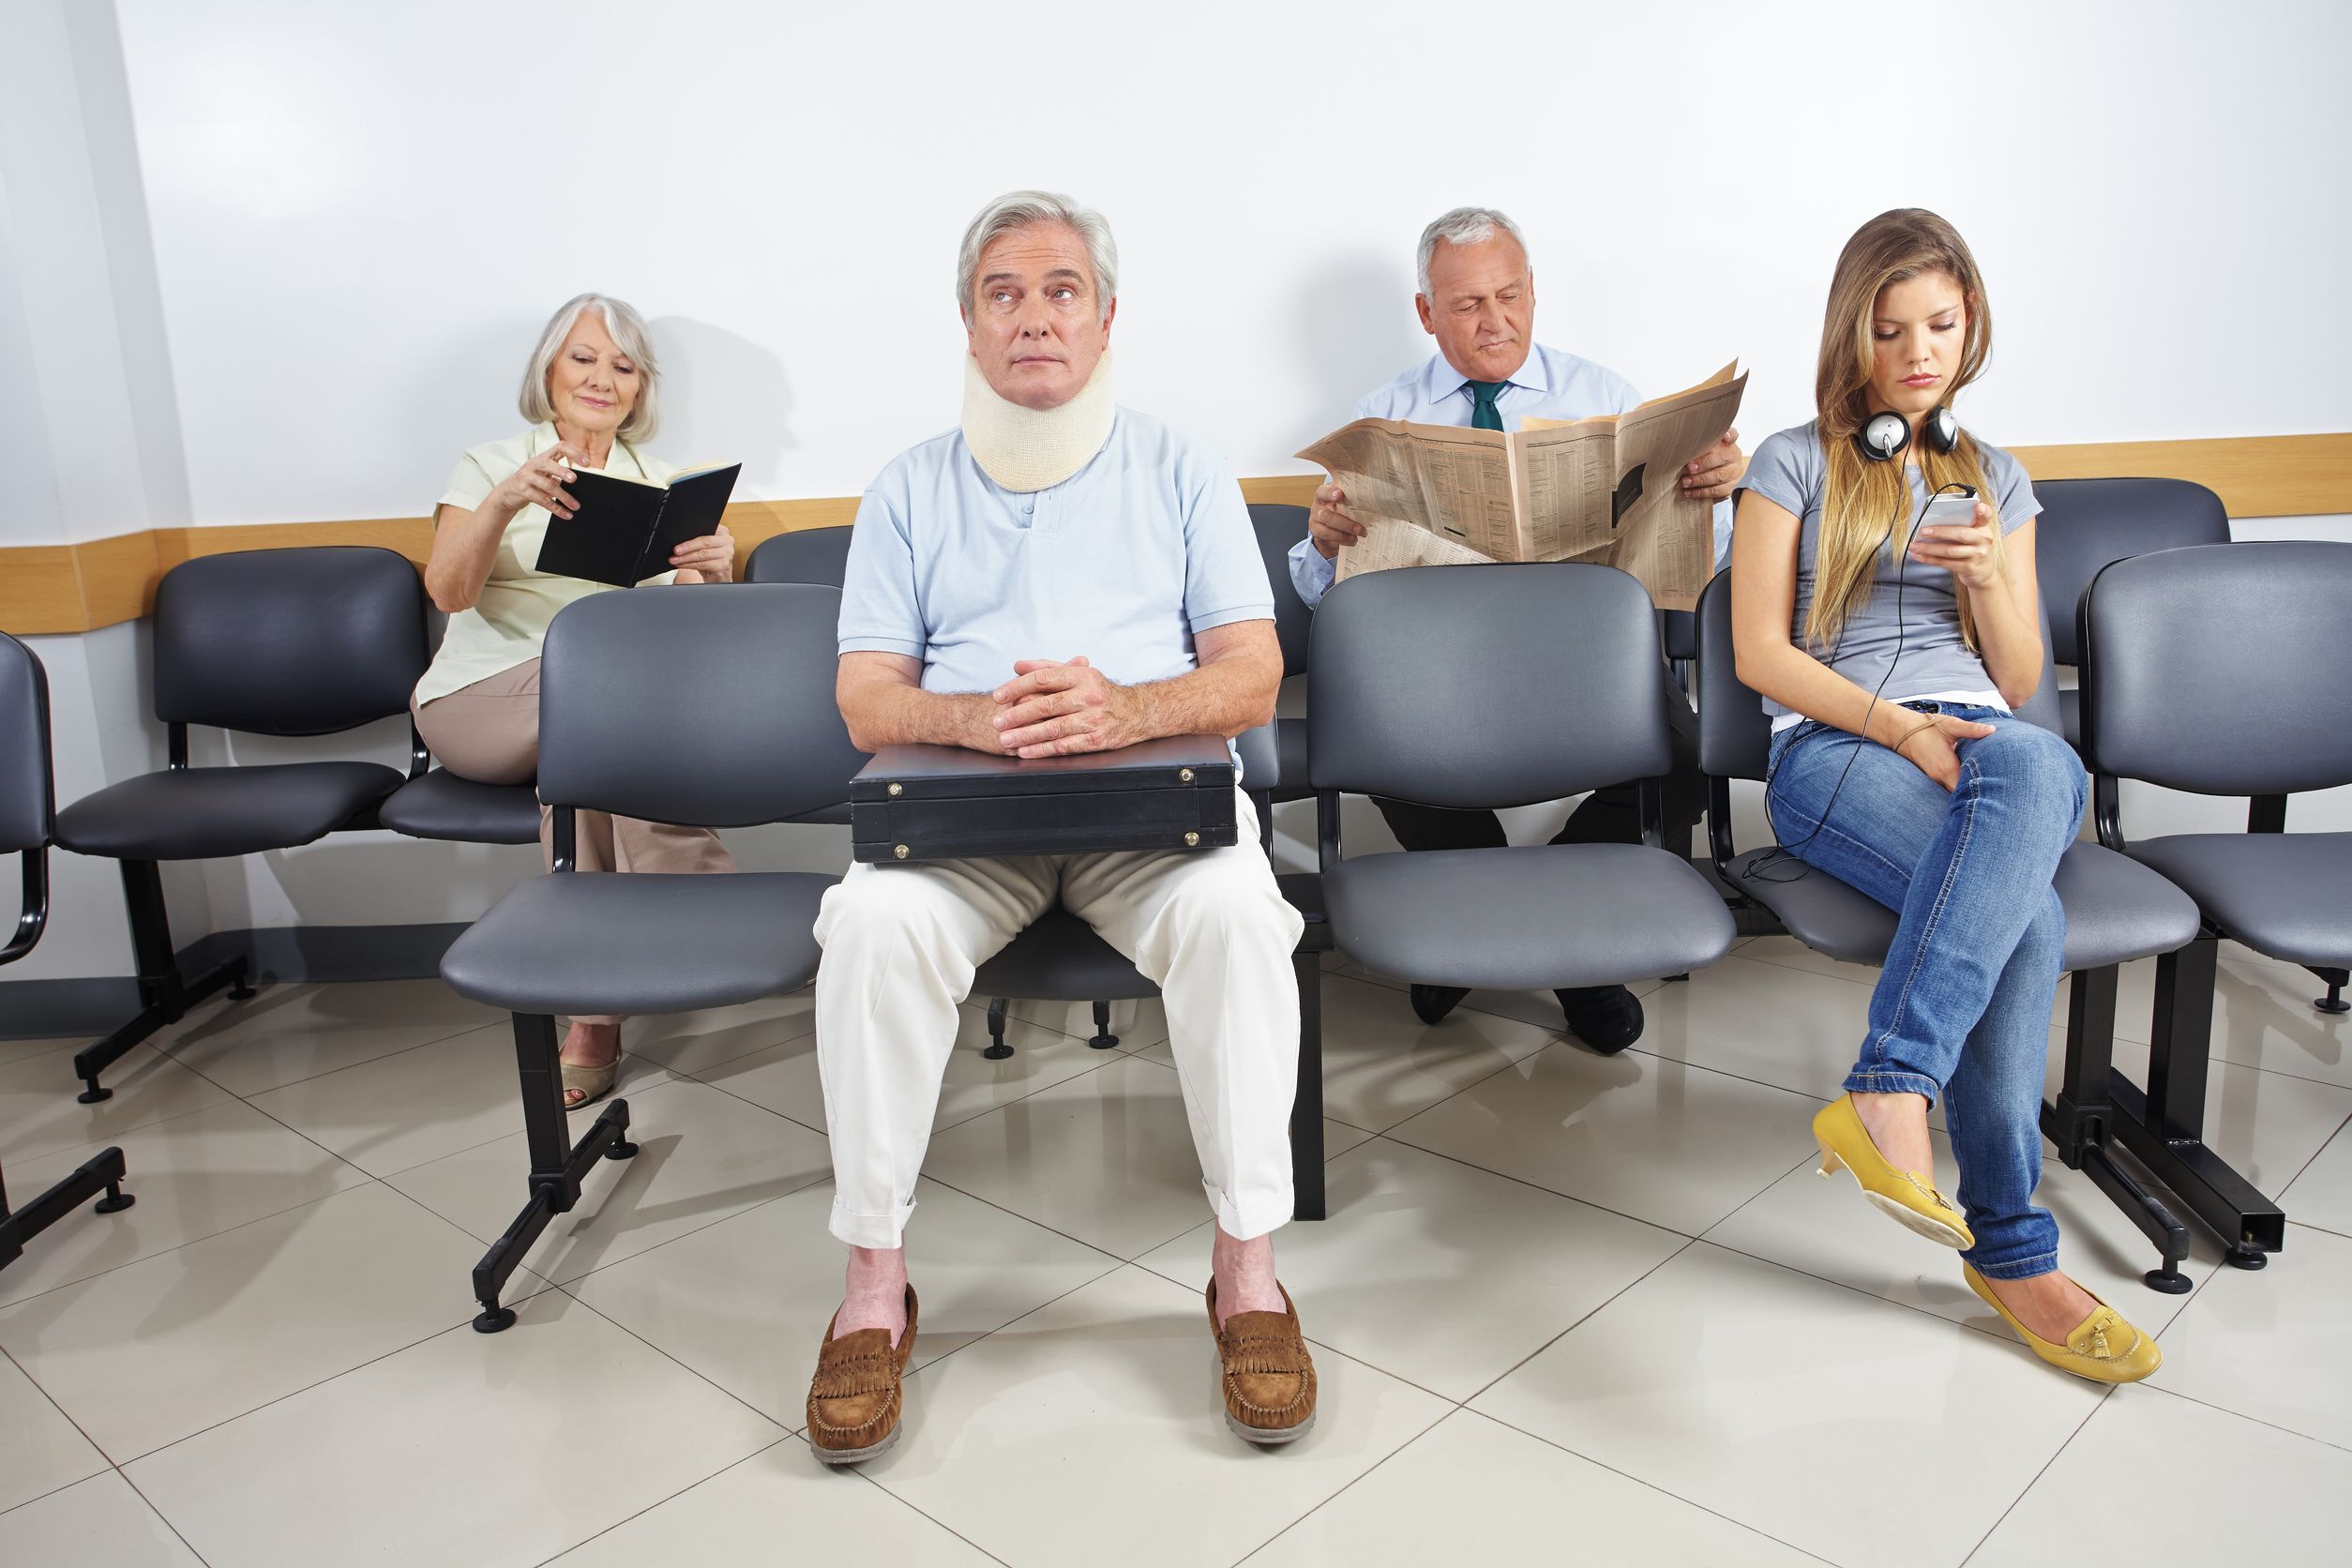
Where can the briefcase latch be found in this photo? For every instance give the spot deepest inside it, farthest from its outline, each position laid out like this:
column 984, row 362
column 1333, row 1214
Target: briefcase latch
column 900, row 851
column 897, row 789
column 1192, row 840
column 1184, row 776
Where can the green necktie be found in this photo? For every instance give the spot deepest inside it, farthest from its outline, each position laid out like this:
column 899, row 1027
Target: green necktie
column 1484, row 415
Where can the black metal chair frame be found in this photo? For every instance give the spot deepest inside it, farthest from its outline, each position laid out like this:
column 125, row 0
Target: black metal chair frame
column 104, row 1171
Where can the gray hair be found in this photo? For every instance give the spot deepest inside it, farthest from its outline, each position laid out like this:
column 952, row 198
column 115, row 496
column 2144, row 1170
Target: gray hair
column 1019, row 209
column 1462, row 226
column 628, row 334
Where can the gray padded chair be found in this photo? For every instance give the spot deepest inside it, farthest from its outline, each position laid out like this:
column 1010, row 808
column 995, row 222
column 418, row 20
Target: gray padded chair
column 2116, row 912
column 1488, row 686
column 1279, row 528
column 2219, row 669
column 440, row 804
column 2086, row 523
column 818, row 555
column 619, row 732
column 27, row 818
column 302, row 641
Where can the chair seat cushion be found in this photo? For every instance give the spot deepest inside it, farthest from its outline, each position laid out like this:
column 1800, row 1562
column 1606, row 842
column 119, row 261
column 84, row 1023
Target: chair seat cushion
column 1060, row 959
column 2288, row 895
column 443, row 806
column 2115, row 910
column 578, row 942
column 1548, row 916
column 207, row 813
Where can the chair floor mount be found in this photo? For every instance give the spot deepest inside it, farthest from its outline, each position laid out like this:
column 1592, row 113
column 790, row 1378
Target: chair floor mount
column 557, row 1165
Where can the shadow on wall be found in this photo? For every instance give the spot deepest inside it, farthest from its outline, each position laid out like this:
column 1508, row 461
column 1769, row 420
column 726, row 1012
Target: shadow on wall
column 1356, row 331
column 725, row 399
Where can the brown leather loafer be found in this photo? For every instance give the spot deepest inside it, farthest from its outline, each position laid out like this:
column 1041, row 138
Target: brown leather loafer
column 1264, row 1372
column 854, row 1400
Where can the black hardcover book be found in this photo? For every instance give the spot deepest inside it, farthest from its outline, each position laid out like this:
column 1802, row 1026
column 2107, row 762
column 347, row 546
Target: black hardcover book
column 625, row 532
column 917, row 803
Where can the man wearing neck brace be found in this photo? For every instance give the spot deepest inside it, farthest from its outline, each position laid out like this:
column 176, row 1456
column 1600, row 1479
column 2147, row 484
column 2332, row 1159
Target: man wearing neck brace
column 1058, row 575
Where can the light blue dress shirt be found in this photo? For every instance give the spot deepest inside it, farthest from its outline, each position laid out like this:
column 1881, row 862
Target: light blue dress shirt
column 1550, row 386
column 1127, row 561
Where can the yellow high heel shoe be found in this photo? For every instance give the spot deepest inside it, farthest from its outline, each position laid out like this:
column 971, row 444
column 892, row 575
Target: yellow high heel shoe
column 1908, row 1199
column 2105, row 1349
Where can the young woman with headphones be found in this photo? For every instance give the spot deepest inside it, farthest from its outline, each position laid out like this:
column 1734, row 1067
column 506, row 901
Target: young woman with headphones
column 1889, row 666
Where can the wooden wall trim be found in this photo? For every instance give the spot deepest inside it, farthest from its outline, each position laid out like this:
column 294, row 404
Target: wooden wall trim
column 48, row 589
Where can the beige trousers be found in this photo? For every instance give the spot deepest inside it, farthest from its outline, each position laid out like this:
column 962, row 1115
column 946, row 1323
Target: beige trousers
column 489, row 733
column 1209, row 927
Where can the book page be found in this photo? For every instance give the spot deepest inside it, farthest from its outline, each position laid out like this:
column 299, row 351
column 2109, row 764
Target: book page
column 1646, row 526
column 1452, row 483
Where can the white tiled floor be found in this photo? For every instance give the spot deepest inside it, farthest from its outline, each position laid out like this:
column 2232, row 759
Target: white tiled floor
column 1566, row 1308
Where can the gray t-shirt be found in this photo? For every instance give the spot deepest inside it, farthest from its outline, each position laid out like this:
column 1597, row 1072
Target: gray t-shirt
column 1789, row 469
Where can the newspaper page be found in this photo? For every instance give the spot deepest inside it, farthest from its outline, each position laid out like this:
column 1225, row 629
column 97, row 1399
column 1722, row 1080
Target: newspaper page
column 1428, row 495
column 1602, row 489
column 1634, row 516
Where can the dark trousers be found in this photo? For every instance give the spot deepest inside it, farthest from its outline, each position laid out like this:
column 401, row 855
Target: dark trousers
column 1611, row 816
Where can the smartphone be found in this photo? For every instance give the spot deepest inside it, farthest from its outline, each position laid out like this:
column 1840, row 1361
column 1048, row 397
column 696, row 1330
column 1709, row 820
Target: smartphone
column 1950, row 510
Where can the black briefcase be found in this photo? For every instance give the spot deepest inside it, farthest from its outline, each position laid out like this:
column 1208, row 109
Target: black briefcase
column 915, row 803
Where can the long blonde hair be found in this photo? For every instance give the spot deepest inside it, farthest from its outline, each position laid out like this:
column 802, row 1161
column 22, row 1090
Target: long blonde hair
column 1860, row 496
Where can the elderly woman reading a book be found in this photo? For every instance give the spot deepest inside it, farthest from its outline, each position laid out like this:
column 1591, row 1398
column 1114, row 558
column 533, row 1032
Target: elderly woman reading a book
column 590, row 396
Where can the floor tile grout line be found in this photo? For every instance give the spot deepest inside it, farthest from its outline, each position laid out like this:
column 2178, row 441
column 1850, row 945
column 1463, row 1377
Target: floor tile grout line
column 1351, row 1485
column 325, row 1033
column 7, row 1307
column 1488, row 1387
column 1652, row 1486
column 588, row 1307
column 2258, row 1420
column 465, row 1324
column 735, row 1464
column 2096, row 1406
column 168, row 1522
column 1620, row 1214
column 104, row 1457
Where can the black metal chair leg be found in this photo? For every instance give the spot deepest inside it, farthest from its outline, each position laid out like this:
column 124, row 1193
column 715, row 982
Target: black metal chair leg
column 556, row 1165
column 2333, row 1001
column 164, row 996
column 2080, row 1121
column 1104, row 1039
column 1306, row 1103
column 102, row 1172
column 998, row 1051
column 2165, row 1126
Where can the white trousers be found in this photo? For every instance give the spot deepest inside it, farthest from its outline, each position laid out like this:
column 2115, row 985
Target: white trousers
column 1209, row 928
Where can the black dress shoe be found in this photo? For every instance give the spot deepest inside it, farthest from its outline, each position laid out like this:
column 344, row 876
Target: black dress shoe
column 1606, row 1018
column 1433, row 1002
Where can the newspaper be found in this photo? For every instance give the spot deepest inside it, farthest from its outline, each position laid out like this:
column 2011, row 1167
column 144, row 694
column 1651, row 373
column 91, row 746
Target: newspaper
column 1601, row 489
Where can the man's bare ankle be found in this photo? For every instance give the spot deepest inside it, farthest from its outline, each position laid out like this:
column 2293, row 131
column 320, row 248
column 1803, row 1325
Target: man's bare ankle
column 874, row 1293
column 1245, row 1273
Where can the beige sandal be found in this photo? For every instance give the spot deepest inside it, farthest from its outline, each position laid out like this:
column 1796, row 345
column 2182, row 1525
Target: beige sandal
column 594, row 1083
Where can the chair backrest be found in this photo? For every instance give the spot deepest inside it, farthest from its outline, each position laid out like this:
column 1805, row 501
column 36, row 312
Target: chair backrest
column 1279, row 528
column 814, row 555
column 28, row 806
column 1487, row 686
column 2086, row 523
column 2221, row 669
column 703, row 706
column 296, row 641
column 1735, row 737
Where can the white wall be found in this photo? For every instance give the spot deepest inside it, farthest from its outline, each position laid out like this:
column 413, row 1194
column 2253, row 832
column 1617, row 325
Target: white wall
column 268, row 260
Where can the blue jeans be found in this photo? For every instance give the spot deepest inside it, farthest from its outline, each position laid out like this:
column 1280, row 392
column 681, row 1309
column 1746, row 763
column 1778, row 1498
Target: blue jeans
column 1962, row 1008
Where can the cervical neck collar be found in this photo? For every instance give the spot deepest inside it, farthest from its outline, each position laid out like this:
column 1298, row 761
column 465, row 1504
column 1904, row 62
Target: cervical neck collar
column 1027, row 449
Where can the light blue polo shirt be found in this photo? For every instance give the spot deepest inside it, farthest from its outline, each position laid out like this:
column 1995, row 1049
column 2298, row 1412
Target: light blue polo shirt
column 1550, row 385
column 1125, row 562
